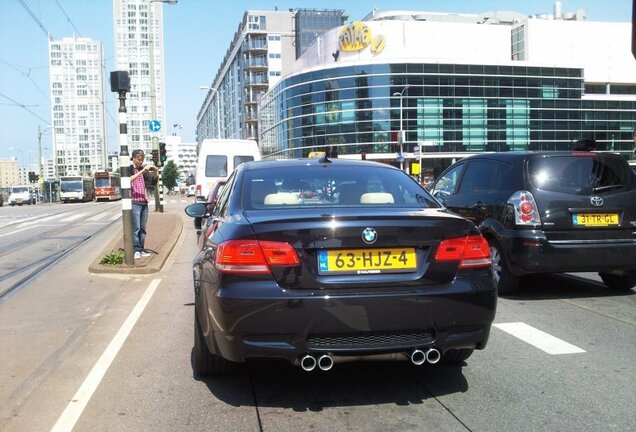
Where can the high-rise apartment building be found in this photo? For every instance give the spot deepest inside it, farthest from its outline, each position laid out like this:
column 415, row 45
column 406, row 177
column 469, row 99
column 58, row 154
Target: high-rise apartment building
column 139, row 50
column 264, row 47
column 77, row 98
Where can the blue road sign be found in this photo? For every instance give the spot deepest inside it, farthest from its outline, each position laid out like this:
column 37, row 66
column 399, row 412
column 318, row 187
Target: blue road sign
column 154, row 126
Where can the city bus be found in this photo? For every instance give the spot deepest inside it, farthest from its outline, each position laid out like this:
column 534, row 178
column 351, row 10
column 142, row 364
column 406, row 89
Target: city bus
column 107, row 186
column 76, row 189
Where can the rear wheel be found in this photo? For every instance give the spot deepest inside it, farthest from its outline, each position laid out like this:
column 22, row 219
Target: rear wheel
column 457, row 356
column 206, row 363
column 618, row 282
column 506, row 282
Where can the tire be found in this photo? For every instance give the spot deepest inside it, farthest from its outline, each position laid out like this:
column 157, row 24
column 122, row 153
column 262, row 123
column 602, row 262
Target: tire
column 456, row 356
column 205, row 363
column 506, row 282
column 617, row 282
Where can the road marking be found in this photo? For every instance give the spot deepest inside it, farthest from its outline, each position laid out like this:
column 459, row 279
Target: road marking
column 97, row 217
column 74, row 409
column 115, row 216
column 14, row 231
column 72, row 218
column 539, row 339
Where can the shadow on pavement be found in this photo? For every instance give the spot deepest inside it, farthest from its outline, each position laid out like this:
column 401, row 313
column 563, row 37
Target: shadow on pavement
column 562, row 286
column 278, row 384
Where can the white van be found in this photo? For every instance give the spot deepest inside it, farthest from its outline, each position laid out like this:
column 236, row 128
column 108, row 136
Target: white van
column 218, row 158
column 22, row 195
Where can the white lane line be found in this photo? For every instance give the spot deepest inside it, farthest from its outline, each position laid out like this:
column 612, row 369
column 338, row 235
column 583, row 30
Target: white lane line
column 539, row 339
column 115, row 216
column 72, row 218
column 40, row 220
column 97, row 217
column 74, row 409
column 14, row 231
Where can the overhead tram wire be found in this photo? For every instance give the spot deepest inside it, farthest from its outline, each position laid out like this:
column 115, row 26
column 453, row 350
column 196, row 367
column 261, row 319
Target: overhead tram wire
column 28, row 75
column 68, row 18
column 24, row 107
column 38, row 22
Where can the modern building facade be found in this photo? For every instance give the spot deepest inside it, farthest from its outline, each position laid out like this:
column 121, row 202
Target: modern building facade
column 76, row 70
column 457, row 84
column 262, row 51
column 139, row 50
column 9, row 173
column 183, row 154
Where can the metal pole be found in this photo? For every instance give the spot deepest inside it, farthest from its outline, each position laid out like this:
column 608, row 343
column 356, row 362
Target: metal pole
column 401, row 133
column 153, row 92
column 124, row 163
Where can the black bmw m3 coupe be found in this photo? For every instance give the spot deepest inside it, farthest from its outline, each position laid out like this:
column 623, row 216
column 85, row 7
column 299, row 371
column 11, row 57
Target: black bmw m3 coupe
column 318, row 261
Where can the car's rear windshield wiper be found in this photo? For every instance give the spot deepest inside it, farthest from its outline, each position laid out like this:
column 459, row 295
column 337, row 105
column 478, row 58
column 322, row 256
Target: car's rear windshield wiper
column 602, row 188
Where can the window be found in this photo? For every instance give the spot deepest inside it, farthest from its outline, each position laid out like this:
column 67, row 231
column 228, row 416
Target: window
column 478, row 177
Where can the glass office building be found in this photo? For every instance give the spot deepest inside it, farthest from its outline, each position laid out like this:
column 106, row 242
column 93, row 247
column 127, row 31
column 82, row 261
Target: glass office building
column 356, row 99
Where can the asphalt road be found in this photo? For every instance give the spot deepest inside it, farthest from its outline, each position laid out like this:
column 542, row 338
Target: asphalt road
column 561, row 357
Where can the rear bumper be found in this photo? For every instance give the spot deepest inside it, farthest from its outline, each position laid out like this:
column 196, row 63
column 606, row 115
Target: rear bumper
column 458, row 315
column 531, row 252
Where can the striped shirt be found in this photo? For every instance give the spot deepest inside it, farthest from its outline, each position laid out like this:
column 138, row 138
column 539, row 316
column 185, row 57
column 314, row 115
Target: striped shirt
column 138, row 187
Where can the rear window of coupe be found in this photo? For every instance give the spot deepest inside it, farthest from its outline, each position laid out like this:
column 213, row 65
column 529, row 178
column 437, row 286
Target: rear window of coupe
column 334, row 186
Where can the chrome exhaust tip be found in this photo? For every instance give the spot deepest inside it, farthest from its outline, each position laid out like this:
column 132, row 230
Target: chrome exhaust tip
column 325, row 362
column 418, row 357
column 308, row 362
column 433, row 355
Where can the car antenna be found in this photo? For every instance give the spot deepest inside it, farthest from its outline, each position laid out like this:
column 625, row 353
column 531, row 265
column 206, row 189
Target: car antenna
column 325, row 157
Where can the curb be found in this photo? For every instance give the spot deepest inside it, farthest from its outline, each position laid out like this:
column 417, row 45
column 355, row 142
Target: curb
column 163, row 229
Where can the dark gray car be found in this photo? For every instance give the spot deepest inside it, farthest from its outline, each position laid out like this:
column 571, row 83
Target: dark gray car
column 549, row 212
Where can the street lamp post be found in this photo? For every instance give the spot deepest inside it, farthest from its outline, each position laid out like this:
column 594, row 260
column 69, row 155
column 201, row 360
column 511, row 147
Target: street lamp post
column 21, row 154
column 401, row 136
column 153, row 95
column 218, row 112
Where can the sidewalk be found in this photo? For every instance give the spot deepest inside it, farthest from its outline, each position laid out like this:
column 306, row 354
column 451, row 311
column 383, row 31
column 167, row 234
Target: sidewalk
column 163, row 230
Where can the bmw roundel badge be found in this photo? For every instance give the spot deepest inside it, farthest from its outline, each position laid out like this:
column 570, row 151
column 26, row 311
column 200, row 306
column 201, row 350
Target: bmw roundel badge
column 369, row 236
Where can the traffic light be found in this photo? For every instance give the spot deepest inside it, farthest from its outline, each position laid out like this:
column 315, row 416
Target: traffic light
column 155, row 157
column 163, row 157
column 33, row 177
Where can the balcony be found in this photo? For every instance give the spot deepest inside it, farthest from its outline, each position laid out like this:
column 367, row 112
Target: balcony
column 252, row 63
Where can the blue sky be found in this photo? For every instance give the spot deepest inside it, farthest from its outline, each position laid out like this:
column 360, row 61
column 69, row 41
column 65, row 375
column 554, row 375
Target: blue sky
column 197, row 34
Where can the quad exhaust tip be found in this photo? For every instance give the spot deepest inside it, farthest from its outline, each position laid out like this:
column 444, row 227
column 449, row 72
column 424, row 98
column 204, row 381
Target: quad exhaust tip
column 433, row 355
column 419, row 357
column 325, row 362
column 308, row 362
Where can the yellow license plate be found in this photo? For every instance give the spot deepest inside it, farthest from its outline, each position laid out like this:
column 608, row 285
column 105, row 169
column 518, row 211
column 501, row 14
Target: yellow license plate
column 367, row 261
column 595, row 219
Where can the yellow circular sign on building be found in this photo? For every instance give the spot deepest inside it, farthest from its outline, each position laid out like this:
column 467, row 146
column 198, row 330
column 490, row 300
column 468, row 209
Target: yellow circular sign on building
column 354, row 36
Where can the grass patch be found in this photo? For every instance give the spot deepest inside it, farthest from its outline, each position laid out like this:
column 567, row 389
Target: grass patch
column 113, row 258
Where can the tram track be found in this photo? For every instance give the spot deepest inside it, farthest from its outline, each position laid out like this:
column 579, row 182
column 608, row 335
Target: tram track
column 19, row 244
column 35, row 268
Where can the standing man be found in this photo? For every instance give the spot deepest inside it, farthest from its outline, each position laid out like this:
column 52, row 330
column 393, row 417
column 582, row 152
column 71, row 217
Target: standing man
column 141, row 176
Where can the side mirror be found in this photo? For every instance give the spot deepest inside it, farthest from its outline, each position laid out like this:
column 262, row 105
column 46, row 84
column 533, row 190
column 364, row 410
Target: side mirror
column 196, row 210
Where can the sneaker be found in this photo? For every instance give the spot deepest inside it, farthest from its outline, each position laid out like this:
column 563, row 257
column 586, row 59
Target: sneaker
column 145, row 254
column 137, row 255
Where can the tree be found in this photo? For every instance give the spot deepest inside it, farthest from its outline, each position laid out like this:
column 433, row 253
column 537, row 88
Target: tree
column 169, row 175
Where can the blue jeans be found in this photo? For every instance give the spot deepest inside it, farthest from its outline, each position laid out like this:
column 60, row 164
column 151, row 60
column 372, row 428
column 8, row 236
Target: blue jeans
column 139, row 219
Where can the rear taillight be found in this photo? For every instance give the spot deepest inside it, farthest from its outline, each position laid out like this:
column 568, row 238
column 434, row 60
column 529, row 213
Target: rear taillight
column 198, row 191
column 526, row 210
column 253, row 256
column 471, row 251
